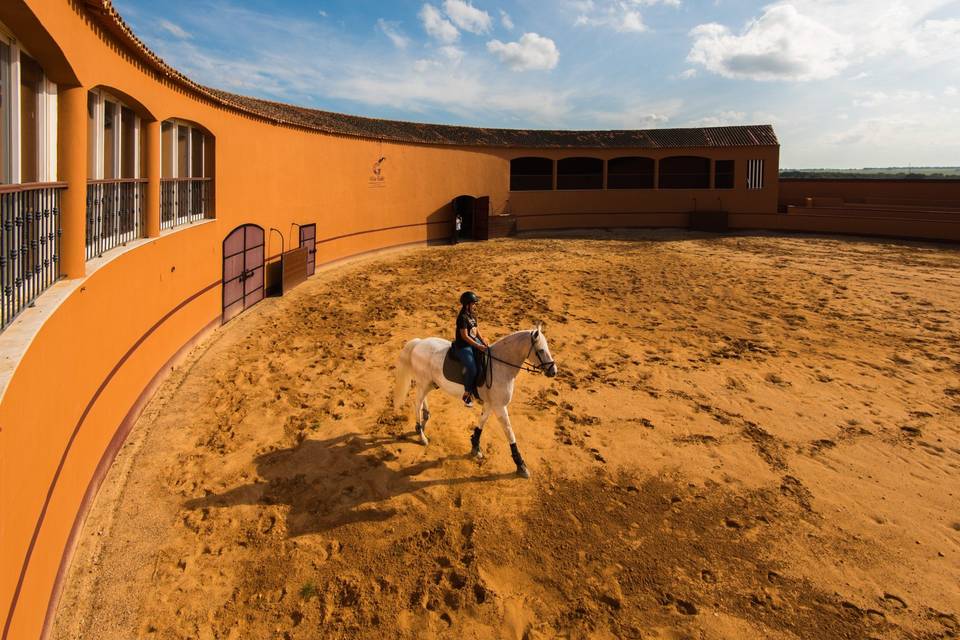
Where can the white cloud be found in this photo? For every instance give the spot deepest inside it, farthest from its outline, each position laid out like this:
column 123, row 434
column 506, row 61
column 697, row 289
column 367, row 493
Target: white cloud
column 437, row 26
column 531, row 52
column 687, row 74
column 392, row 31
column 173, row 29
column 873, row 99
column 804, row 40
column 468, row 17
column 621, row 15
column 637, row 116
column 506, row 20
column 951, row 91
column 782, row 44
column 722, row 119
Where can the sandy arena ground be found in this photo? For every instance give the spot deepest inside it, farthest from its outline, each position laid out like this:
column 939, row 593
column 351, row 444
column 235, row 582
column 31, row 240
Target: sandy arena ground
column 750, row 437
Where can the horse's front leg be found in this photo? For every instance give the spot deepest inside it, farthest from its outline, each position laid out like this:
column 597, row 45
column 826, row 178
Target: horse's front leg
column 422, row 413
column 477, row 432
column 504, row 418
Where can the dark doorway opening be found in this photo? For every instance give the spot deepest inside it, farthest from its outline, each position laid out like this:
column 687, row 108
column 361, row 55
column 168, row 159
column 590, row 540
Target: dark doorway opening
column 243, row 277
column 463, row 218
column 471, row 218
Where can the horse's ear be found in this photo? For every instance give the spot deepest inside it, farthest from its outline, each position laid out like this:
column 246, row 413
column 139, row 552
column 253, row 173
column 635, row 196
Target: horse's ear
column 536, row 332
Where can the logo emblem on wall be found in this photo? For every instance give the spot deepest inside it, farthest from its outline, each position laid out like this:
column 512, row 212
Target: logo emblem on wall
column 377, row 179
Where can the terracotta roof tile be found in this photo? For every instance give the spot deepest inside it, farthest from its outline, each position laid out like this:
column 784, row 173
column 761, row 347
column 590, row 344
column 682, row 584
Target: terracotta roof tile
column 420, row 133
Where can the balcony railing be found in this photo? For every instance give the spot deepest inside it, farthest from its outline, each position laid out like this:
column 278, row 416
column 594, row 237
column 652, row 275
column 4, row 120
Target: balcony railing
column 114, row 214
column 184, row 200
column 30, row 245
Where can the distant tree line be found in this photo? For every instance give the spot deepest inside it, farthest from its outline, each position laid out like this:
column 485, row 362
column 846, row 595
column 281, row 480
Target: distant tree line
column 933, row 173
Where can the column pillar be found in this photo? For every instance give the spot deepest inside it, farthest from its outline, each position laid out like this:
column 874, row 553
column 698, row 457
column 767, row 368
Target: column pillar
column 152, row 174
column 656, row 173
column 72, row 169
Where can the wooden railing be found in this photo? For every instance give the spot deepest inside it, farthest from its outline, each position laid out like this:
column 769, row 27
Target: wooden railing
column 30, row 245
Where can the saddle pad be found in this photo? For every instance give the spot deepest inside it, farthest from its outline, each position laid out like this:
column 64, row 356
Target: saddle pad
column 453, row 370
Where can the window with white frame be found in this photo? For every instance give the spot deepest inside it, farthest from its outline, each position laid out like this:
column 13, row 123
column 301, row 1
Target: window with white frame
column 28, row 117
column 185, row 161
column 754, row 174
column 114, row 138
column 115, row 192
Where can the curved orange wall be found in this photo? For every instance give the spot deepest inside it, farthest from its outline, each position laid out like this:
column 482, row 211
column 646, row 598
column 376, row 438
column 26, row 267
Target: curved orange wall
column 96, row 354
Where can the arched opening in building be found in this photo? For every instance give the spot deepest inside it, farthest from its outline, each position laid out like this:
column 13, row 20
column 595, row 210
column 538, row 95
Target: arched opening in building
column 187, row 169
column 685, row 172
column 116, row 170
column 531, row 174
column 580, row 173
column 630, row 172
column 29, row 191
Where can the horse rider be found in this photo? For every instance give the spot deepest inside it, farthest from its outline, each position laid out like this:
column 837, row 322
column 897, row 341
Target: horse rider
column 467, row 343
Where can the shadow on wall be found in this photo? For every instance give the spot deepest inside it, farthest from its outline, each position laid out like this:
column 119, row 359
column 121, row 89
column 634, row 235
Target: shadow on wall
column 334, row 482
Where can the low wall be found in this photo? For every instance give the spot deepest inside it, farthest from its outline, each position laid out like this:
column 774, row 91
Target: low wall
column 793, row 191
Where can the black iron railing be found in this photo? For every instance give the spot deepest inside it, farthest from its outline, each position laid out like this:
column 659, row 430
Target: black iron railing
column 184, row 200
column 114, row 214
column 30, row 244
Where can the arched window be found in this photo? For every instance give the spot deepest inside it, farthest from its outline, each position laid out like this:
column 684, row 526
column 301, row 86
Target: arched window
column 630, row 173
column 186, row 185
column 28, row 122
column 531, row 174
column 685, row 172
column 580, row 173
column 29, row 195
column 116, row 186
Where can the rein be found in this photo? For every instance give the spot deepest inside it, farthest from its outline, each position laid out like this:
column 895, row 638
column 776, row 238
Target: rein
column 524, row 365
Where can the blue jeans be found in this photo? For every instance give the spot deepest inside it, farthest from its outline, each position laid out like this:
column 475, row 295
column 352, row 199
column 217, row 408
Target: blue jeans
column 468, row 359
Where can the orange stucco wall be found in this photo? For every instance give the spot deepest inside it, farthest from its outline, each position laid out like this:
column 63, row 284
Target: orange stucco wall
column 913, row 192
column 97, row 352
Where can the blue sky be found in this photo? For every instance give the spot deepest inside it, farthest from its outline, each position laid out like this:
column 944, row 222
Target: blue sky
column 848, row 83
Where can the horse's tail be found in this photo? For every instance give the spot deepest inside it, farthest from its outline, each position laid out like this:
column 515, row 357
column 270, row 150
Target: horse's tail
column 404, row 373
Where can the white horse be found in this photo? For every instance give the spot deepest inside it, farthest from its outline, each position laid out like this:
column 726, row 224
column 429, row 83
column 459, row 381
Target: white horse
column 422, row 360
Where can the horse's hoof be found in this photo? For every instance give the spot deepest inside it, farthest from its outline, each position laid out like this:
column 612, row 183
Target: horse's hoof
column 423, row 436
column 476, row 453
column 522, row 471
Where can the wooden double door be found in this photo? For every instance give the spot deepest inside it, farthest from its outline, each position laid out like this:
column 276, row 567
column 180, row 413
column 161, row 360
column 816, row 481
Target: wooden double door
column 243, row 256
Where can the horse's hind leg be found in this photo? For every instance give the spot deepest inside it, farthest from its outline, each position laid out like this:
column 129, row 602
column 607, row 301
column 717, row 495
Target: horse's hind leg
column 504, row 418
column 421, row 411
column 477, row 432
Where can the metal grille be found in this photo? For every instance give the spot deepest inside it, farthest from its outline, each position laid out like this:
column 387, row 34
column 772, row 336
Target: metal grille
column 30, row 245
column 754, row 174
column 114, row 214
column 184, row 200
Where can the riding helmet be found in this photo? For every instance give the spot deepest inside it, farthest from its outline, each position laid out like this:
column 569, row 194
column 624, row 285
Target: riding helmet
column 467, row 297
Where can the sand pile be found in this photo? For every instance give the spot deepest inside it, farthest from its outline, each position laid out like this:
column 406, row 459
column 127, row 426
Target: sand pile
column 749, row 437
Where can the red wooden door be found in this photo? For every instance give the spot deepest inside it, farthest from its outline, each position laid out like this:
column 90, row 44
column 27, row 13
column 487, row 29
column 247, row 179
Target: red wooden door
column 242, row 269
column 481, row 218
column 308, row 237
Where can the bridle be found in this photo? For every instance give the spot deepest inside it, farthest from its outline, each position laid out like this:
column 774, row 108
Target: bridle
column 524, row 365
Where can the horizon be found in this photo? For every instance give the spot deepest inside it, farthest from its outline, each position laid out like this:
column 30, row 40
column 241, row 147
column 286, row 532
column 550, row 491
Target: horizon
column 843, row 83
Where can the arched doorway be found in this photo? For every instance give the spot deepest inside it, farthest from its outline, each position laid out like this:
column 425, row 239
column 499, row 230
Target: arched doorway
column 474, row 214
column 242, row 269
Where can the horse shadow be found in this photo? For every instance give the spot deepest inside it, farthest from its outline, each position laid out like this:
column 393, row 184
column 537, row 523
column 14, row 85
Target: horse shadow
column 335, row 482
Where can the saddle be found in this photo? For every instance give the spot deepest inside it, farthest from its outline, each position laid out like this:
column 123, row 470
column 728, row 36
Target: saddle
column 453, row 370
